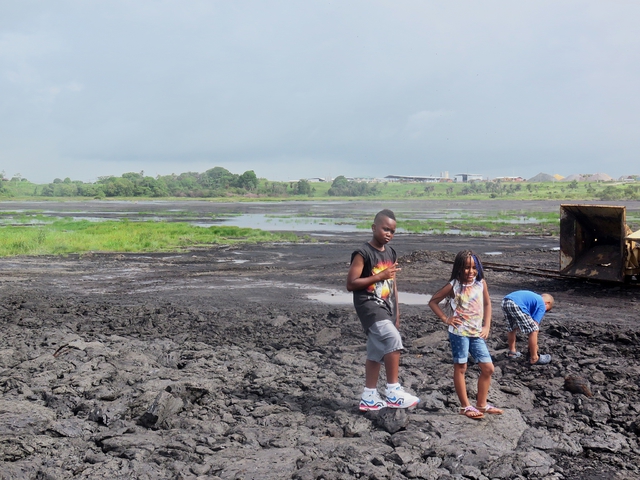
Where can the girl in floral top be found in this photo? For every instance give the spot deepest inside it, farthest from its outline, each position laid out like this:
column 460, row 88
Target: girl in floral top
column 468, row 315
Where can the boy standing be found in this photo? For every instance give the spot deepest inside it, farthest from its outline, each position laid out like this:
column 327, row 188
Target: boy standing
column 523, row 310
column 372, row 279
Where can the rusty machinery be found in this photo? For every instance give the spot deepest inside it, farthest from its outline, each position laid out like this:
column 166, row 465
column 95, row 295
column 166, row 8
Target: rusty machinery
column 595, row 242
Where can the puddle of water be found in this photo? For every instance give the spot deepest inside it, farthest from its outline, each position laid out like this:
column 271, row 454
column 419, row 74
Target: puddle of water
column 235, row 260
column 271, row 223
column 336, row 297
column 328, row 296
column 481, row 233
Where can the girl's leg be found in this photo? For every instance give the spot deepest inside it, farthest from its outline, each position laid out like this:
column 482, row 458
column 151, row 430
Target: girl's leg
column 460, row 353
column 484, row 381
column 459, row 369
column 479, row 350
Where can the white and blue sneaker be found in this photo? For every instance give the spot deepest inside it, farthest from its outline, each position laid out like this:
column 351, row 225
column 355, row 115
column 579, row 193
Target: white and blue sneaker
column 371, row 400
column 398, row 398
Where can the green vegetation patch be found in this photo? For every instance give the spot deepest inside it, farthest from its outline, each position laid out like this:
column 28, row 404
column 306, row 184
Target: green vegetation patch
column 506, row 222
column 68, row 236
column 633, row 220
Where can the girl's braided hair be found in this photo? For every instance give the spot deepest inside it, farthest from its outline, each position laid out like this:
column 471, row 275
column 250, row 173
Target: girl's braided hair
column 458, row 265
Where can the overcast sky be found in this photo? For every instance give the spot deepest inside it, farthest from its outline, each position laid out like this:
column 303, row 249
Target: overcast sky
column 294, row 89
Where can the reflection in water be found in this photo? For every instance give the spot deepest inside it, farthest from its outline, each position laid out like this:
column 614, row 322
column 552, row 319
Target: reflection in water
column 273, row 223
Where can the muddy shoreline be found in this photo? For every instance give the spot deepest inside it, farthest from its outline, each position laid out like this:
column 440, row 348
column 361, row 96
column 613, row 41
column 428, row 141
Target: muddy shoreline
column 214, row 363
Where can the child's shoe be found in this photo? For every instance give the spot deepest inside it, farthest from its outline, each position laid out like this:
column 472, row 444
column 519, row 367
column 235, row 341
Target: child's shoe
column 543, row 359
column 371, row 401
column 398, row 398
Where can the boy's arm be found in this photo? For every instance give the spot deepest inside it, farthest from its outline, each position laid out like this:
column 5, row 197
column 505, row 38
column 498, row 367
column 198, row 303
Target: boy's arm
column 395, row 285
column 486, row 319
column 354, row 282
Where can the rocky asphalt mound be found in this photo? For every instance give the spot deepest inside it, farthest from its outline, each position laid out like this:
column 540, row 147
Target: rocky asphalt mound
column 176, row 377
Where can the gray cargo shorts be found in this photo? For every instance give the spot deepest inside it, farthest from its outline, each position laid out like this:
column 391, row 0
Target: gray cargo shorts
column 382, row 338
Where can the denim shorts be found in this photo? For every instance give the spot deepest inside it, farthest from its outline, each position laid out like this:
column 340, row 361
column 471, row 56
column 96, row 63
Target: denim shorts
column 462, row 346
column 382, row 338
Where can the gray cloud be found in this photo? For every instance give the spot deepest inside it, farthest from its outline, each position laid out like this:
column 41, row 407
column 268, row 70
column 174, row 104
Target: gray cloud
column 293, row 89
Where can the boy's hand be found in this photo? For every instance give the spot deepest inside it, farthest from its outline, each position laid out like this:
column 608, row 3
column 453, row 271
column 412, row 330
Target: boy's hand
column 389, row 273
column 355, row 282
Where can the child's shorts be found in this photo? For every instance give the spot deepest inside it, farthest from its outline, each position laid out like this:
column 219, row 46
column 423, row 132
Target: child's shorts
column 517, row 319
column 382, row 338
column 462, row 346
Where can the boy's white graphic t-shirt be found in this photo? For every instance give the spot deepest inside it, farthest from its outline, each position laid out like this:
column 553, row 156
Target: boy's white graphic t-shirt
column 467, row 304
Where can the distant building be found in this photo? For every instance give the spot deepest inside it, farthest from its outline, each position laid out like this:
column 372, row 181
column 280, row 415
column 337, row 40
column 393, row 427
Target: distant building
column 363, row 179
column 509, row 179
column 415, row 178
column 469, row 177
column 624, row 178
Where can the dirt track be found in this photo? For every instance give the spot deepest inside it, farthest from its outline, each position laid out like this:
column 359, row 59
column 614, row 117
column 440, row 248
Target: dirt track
column 215, row 364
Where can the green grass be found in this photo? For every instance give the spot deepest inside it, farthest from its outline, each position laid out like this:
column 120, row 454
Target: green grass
column 633, row 220
column 67, row 236
column 25, row 190
column 483, row 191
column 511, row 222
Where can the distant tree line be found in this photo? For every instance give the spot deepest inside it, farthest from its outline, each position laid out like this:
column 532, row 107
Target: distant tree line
column 215, row 182
column 628, row 192
column 342, row 187
column 4, row 181
column 220, row 182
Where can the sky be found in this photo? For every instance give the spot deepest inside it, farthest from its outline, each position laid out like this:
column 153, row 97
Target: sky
column 302, row 89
